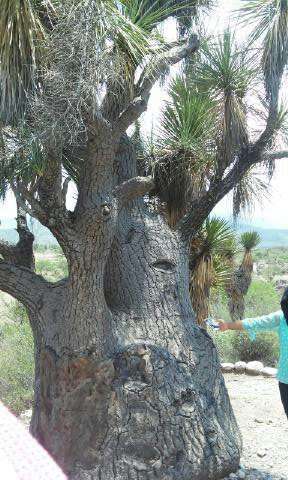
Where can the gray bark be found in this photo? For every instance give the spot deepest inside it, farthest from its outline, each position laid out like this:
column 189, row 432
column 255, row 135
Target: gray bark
column 129, row 387
column 138, row 393
column 237, row 289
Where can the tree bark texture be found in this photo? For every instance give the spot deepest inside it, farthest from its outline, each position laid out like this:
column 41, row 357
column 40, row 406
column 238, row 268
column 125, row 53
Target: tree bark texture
column 236, row 291
column 127, row 385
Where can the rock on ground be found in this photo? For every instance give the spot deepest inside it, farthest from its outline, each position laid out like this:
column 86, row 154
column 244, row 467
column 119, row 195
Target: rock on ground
column 227, row 367
column 240, row 367
column 254, row 368
column 269, row 372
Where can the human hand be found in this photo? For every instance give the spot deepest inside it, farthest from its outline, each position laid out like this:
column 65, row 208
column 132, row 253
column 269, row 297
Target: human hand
column 223, row 326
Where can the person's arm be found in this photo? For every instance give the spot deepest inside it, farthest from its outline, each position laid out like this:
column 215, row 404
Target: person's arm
column 223, row 326
column 253, row 325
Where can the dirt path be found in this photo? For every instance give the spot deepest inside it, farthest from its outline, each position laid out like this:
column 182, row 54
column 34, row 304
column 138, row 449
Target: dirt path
column 264, row 426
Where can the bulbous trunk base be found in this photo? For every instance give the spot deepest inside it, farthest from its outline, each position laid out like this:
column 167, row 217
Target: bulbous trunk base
column 141, row 415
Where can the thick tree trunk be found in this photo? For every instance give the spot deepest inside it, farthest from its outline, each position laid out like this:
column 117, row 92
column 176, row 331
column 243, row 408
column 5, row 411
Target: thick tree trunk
column 138, row 393
column 128, row 386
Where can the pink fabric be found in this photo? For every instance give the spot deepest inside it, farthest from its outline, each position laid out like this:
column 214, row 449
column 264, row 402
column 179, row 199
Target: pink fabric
column 21, row 457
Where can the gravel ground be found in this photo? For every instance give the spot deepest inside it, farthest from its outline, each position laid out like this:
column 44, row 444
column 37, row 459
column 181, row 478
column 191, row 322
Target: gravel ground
column 263, row 424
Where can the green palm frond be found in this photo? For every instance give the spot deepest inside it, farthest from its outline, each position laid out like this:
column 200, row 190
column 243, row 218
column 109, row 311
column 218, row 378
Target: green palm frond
column 184, row 147
column 230, row 249
column 226, row 71
column 250, row 240
column 224, row 66
column 222, row 272
column 188, row 117
column 250, row 190
column 209, row 265
column 21, row 37
column 270, row 18
column 149, row 13
column 216, row 232
column 20, row 160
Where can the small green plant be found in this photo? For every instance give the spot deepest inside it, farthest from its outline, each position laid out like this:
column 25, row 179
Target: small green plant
column 53, row 269
column 264, row 348
column 233, row 346
column 16, row 365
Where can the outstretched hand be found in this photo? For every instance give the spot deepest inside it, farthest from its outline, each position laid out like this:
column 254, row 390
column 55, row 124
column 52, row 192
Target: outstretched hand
column 223, row 326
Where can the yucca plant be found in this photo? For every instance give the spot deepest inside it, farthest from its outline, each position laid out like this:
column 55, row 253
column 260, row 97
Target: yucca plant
column 239, row 285
column 226, row 71
column 203, row 125
column 249, row 241
column 270, row 18
column 209, row 263
column 184, row 147
column 21, row 37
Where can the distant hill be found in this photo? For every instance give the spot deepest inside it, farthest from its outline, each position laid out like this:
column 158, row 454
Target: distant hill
column 271, row 237
column 42, row 234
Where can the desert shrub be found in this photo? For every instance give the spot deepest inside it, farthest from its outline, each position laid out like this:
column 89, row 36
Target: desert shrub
column 264, row 348
column 16, row 363
column 234, row 346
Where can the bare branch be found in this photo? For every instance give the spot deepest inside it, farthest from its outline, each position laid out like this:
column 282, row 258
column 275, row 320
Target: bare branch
column 219, row 187
column 201, row 207
column 149, row 77
column 24, row 196
column 21, row 201
column 133, row 188
column 275, row 155
column 22, row 284
column 6, row 250
column 65, row 190
column 132, row 113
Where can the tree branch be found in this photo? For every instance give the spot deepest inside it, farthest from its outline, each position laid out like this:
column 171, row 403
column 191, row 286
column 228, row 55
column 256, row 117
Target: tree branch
column 202, row 206
column 132, row 113
column 149, row 77
column 249, row 156
column 65, row 190
column 22, row 202
column 6, row 250
column 22, row 284
column 275, row 155
column 22, row 193
column 133, row 188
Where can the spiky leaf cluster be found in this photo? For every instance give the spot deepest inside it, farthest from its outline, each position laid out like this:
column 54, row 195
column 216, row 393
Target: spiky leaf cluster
column 250, row 240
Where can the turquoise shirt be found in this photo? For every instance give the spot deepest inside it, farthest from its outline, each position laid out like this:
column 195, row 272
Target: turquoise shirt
column 274, row 322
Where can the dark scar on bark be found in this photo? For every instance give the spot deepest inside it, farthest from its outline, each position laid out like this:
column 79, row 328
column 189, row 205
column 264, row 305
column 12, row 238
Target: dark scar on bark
column 164, row 265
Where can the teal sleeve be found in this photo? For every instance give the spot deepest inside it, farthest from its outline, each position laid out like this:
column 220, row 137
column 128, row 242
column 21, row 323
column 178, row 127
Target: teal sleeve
column 262, row 324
